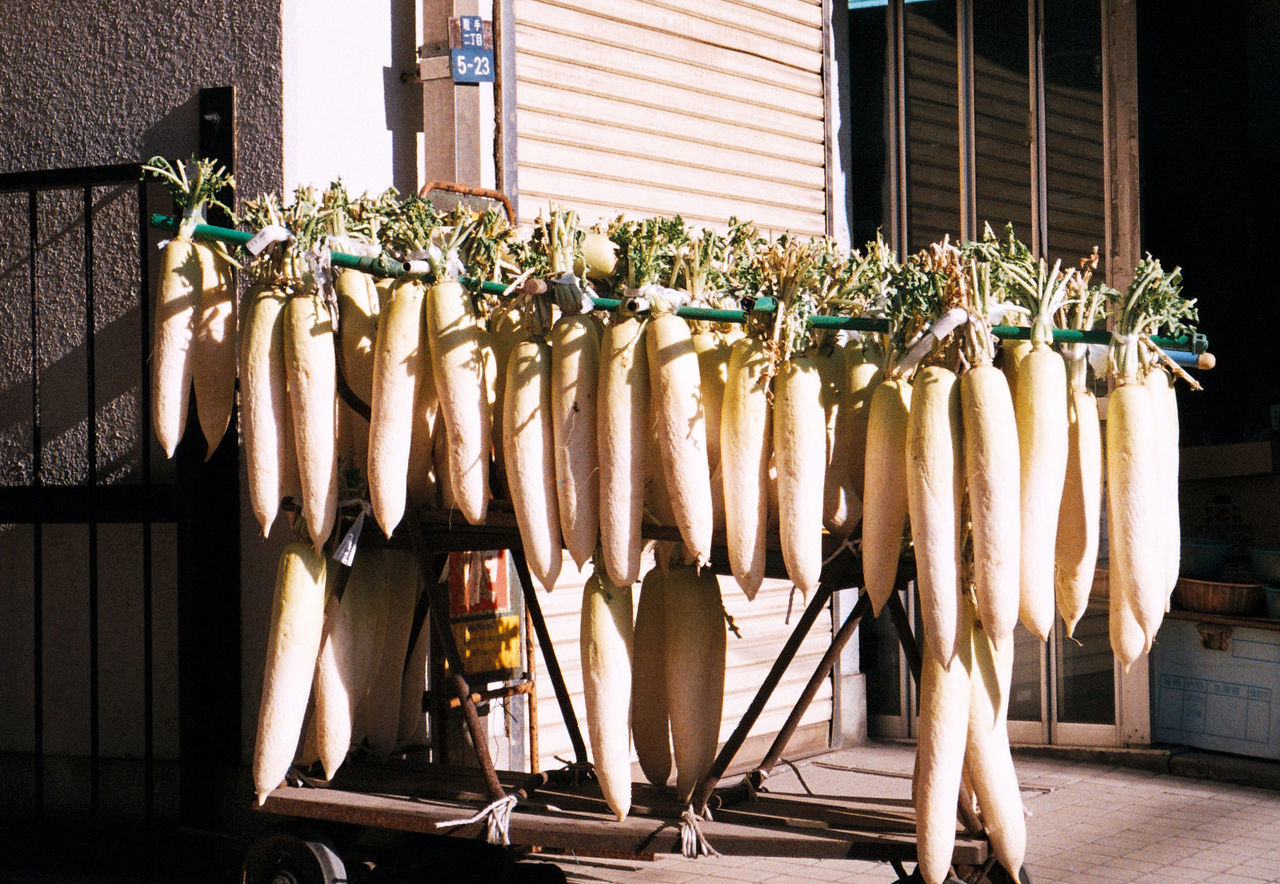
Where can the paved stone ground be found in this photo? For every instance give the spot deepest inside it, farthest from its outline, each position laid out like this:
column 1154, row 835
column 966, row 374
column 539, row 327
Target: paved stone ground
column 1087, row 822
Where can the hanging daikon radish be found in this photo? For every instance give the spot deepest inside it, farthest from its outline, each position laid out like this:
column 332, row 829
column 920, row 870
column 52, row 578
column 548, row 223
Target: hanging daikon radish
column 297, row 625
column 650, row 720
column 454, row 342
column 400, row 364
column 713, row 349
column 935, row 488
column 1041, row 410
column 506, row 329
column 940, row 749
column 695, row 658
column 622, row 444
column 799, row 449
column 264, row 400
column 1012, row 352
column 400, row 586
column 605, row 636
column 860, row 385
column 680, row 429
column 530, row 454
column 346, row 663
column 841, row 504
column 422, row 481
column 575, row 379
column 310, row 365
column 991, row 464
column 214, row 348
column 746, row 440
column 884, row 500
column 192, row 301
column 1137, row 529
column 988, row 761
column 1165, row 404
column 1076, row 550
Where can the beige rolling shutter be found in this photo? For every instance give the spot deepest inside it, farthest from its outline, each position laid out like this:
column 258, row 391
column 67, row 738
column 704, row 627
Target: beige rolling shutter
column 708, row 109
column 747, row 660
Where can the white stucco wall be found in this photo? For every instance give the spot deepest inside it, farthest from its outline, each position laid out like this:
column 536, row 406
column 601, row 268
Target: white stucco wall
column 347, row 112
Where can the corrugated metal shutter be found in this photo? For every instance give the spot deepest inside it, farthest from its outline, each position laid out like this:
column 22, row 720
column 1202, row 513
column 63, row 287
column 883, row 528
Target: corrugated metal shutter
column 747, row 661
column 708, row 109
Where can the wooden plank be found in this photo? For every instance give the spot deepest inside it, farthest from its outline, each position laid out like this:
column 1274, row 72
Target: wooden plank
column 539, row 183
column 538, row 100
column 643, row 171
column 804, row 122
column 672, row 148
column 683, row 71
column 554, row 19
column 806, row 12
column 768, row 827
column 801, row 48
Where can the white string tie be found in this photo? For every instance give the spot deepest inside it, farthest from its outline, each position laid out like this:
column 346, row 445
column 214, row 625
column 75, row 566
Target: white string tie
column 498, row 817
column 693, row 843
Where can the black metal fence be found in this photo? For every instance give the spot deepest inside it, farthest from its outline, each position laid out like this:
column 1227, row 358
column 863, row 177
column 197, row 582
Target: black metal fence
column 119, row 570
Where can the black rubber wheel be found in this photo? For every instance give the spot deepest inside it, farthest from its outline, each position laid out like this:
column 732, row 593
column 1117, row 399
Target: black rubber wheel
column 996, row 874
column 289, row 859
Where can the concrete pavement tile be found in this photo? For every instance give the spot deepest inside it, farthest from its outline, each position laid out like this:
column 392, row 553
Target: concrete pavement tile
column 1111, row 873
column 1142, row 866
column 1171, row 873
column 1210, row 862
column 1264, row 870
column 1248, row 846
column 1233, row 878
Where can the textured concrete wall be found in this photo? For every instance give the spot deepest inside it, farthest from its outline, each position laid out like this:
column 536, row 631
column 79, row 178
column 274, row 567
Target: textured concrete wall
column 86, row 83
column 82, row 84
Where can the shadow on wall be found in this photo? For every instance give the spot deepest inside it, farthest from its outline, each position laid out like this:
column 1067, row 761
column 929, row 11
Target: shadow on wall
column 61, row 357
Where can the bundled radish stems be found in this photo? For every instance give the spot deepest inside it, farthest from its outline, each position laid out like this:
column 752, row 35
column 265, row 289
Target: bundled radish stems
column 194, row 330
column 1040, row 408
column 1139, row 428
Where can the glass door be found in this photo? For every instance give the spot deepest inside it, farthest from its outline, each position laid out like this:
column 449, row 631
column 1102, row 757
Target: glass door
column 1065, row 690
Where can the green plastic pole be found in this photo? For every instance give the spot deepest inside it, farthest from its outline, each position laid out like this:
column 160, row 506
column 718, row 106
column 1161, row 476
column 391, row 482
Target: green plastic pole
column 385, row 267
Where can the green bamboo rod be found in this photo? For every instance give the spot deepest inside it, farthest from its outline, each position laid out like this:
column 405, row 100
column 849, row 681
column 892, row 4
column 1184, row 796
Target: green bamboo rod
column 385, row 267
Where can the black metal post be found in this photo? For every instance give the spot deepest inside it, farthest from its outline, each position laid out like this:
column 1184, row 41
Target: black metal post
column 727, row 752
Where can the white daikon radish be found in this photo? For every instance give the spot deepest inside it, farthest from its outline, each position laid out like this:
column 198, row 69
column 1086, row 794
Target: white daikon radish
column 680, row 429
column 293, row 644
column 530, row 454
column 935, row 476
column 605, row 636
column 746, row 439
column 799, row 450
column 695, row 659
column 1076, row 548
column 575, row 381
column 1041, row 412
column 622, row 434
column 884, row 500
column 650, row 721
column 991, row 479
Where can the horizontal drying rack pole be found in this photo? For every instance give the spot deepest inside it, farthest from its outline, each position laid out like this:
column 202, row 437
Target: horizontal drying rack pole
column 1186, row 351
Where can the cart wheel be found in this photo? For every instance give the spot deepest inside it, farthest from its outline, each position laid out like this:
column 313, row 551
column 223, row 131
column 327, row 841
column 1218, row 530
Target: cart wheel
column 289, row 859
column 992, row 873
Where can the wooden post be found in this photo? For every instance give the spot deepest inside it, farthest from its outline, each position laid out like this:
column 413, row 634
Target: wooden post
column 1120, row 137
